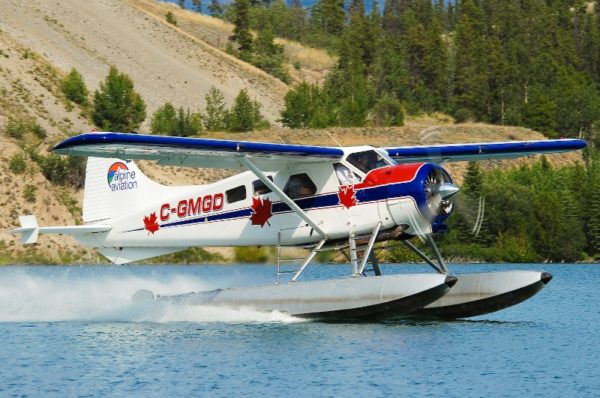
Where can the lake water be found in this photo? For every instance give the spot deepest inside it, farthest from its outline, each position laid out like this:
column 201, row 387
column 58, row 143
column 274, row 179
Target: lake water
column 71, row 331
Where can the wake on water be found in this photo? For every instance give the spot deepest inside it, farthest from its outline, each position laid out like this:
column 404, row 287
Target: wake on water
column 28, row 297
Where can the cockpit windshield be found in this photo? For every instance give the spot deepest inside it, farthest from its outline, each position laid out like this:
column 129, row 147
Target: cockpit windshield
column 367, row 160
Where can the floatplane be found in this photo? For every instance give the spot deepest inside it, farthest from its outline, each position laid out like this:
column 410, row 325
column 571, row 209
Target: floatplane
column 319, row 198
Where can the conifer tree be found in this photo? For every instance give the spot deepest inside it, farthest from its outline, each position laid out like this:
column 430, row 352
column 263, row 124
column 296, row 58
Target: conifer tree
column 215, row 9
column 241, row 32
column 164, row 119
column 198, row 5
column 348, row 85
column 245, row 114
column 117, row 107
column 215, row 116
column 331, row 16
column 299, row 104
column 473, row 180
column 307, row 105
column 593, row 209
column 471, row 90
column 269, row 56
column 74, row 87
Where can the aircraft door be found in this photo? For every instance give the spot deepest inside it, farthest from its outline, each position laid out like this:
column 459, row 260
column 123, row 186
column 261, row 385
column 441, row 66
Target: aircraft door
column 308, row 187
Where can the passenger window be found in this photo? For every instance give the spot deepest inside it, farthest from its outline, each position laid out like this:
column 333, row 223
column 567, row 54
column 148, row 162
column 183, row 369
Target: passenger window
column 260, row 188
column 299, row 186
column 236, row 194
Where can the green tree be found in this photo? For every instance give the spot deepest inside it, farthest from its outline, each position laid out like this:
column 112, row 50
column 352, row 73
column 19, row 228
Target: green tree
column 164, row 119
column 299, row 103
column 330, row 16
column 593, row 208
column 471, row 90
column 473, row 180
column 269, row 56
column 241, row 31
column 307, row 105
column 348, row 85
column 245, row 114
column 187, row 123
column 215, row 115
column 387, row 112
column 66, row 171
column 117, row 107
column 215, row 9
column 198, row 5
column 73, row 87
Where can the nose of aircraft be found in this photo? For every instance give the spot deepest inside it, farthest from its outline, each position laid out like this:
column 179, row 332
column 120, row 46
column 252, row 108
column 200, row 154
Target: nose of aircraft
column 447, row 190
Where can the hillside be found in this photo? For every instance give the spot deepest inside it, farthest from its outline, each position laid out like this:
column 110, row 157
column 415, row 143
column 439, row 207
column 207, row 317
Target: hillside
column 165, row 62
column 312, row 64
column 41, row 40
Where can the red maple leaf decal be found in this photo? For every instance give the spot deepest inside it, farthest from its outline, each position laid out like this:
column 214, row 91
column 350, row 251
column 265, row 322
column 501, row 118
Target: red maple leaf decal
column 150, row 223
column 347, row 196
column 262, row 210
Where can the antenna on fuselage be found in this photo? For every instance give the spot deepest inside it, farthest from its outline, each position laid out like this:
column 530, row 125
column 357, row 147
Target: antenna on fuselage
column 334, row 140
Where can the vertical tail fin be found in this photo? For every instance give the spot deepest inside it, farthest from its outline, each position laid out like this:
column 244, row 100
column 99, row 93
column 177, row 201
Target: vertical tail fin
column 112, row 186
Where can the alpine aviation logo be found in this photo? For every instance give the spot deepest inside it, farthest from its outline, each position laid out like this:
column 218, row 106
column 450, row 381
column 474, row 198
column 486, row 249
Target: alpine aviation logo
column 120, row 178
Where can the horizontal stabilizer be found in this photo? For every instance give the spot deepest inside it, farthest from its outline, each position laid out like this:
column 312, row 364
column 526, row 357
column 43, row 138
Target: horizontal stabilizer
column 30, row 230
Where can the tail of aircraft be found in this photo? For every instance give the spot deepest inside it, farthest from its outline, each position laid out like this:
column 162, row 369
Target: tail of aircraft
column 113, row 184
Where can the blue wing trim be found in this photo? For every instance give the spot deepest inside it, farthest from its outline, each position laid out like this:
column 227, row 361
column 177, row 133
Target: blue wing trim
column 485, row 150
column 196, row 143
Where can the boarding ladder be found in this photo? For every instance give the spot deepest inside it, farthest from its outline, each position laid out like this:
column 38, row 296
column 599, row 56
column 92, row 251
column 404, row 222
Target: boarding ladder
column 304, row 261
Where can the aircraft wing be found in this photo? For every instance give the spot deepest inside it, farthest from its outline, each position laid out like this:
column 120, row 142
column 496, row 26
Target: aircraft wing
column 212, row 153
column 194, row 152
column 481, row 151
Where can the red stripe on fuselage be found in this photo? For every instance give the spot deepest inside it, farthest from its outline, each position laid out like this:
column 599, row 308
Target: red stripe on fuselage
column 390, row 175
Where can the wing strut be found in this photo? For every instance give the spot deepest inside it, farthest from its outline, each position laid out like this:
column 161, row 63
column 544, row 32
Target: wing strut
column 286, row 199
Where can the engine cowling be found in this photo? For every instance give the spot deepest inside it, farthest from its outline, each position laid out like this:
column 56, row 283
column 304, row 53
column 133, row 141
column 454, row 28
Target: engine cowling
column 420, row 196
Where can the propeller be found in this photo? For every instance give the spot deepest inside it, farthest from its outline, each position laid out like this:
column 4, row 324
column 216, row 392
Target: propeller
column 439, row 194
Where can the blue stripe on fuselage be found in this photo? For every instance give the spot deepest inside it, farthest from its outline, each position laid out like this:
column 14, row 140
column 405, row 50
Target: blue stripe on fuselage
column 411, row 188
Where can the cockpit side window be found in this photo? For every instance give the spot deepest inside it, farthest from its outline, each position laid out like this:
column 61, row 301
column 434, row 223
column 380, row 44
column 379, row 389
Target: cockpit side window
column 367, row 160
column 260, row 188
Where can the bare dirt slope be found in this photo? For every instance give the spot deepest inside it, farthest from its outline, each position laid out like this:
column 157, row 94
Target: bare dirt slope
column 166, row 63
column 29, row 91
column 305, row 63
